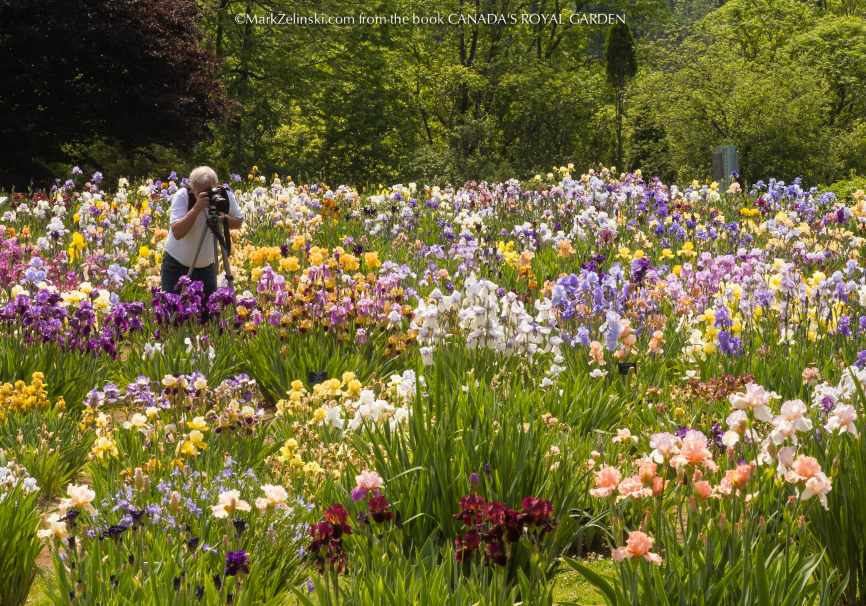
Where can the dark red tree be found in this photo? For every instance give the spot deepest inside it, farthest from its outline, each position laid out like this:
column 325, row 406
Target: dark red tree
column 132, row 71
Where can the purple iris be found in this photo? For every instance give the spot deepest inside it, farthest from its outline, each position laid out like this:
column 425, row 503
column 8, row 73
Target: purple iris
column 237, row 562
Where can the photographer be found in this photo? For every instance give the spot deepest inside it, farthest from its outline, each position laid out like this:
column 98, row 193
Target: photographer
column 188, row 218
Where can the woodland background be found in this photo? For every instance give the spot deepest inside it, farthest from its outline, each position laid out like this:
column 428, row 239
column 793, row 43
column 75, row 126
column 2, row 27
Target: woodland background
column 142, row 87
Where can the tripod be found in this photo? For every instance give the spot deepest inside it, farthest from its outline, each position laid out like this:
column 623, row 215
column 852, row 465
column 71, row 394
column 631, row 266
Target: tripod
column 221, row 239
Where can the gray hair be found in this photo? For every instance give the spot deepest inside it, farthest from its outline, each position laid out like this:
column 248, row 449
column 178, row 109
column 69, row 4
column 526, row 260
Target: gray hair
column 203, row 177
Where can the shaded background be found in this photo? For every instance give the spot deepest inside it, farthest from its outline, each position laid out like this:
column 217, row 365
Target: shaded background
column 142, row 87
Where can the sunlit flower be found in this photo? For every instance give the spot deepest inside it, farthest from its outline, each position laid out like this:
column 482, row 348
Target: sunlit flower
column 136, row 421
column 624, row 435
column 803, row 468
column 312, row 468
column 663, row 445
column 637, row 546
column 633, row 487
column 656, row 342
column 703, row 489
column 198, row 423
column 371, row 260
column 754, row 400
column 647, row 470
column 55, row 528
column 78, row 496
column 842, row 420
column 693, row 451
column 735, row 479
column 275, row 496
column 104, row 447
column 596, row 353
column 288, row 450
column 367, row 482
column 606, row 481
column 229, row 502
column 791, row 420
column 811, row 375
column 192, row 444
column 819, row 485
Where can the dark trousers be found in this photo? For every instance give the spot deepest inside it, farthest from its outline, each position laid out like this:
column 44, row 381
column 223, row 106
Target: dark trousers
column 172, row 270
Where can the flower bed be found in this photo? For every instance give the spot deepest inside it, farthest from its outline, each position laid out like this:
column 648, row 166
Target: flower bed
column 438, row 395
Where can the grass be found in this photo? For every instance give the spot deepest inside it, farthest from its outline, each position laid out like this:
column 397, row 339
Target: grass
column 570, row 586
column 38, row 592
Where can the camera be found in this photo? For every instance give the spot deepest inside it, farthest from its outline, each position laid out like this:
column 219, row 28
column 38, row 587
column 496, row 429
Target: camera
column 218, row 200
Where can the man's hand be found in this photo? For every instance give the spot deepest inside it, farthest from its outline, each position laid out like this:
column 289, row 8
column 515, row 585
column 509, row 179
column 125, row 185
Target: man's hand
column 201, row 202
column 234, row 222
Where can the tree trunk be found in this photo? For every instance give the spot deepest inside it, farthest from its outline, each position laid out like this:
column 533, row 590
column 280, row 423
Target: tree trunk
column 620, row 94
column 242, row 88
column 220, row 28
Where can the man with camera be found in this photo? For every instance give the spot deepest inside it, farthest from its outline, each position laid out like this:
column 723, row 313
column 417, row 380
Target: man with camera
column 197, row 211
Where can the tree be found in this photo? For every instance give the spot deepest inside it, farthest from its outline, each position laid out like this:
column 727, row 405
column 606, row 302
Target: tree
column 725, row 85
column 131, row 72
column 621, row 67
column 836, row 46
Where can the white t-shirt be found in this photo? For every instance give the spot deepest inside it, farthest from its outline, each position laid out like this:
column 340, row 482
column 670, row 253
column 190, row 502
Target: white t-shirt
column 184, row 249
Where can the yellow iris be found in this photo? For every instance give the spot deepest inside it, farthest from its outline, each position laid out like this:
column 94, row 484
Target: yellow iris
column 77, row 245
column 193, row 444
column 371, row 260
column 289, row 264
column 104, row 447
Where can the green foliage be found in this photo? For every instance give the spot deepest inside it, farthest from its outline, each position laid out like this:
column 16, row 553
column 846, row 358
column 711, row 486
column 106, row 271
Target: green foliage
column 151, row 565
column 783, row 100
column 50, row 444
column 213, row 353
column 836, row 46
column 369, row 104
column 461, row 101
column 70, row 373
column 274, row 362
column 620, row 55
column 770, row 576
column 453, row 434
column 19, row 546
column 836, row 527
column 769, row 117
column 115, row 160
column 845, row 188
column 424, row 579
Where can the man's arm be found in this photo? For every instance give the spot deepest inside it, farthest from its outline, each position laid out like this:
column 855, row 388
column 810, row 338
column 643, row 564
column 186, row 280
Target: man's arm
column 235, row 217
column 181, row 227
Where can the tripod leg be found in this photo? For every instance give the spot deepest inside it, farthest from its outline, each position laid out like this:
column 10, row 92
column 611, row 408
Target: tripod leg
column 220, row 242
column 230, row 279
column 197, row 251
